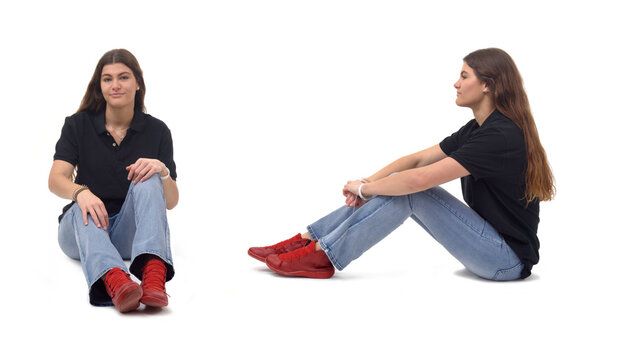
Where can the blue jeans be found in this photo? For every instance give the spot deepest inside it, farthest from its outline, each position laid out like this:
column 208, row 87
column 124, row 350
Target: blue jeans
column 346, row 234
column 139, row 229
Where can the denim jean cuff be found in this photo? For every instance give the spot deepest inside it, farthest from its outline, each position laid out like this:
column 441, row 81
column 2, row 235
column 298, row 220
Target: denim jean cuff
column 330, row 255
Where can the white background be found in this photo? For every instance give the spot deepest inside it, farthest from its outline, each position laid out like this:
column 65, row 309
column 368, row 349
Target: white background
column 273, row 105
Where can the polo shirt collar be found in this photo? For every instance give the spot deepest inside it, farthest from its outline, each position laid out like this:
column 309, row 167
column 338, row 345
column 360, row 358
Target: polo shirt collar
column 137, row 124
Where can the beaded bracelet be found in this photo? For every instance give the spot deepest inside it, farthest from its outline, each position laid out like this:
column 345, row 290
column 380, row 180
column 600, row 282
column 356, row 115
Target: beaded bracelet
column 77, row 191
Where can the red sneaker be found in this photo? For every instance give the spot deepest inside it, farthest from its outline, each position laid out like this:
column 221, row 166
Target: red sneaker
column 305, row 261
column 261, row 253
column 154, row 278
column 124, row 292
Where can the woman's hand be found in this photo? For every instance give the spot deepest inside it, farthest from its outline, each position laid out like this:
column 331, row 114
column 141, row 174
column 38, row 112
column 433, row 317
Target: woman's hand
column 143, row 169
column 350, row 191
column 91, row 204
column 354, row 201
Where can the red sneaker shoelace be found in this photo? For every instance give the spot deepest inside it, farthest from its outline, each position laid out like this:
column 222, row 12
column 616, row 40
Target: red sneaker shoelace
column 154, row 275
column 298, row 253
column 285, row 242
column 114, row 279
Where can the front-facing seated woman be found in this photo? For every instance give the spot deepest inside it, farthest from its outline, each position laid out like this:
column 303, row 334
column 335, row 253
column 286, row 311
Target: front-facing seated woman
column 504, row 173
column 125, row 182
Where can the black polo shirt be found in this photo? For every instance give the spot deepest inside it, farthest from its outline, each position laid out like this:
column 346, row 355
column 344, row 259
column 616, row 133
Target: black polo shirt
column 494, row 154
column 85, row 142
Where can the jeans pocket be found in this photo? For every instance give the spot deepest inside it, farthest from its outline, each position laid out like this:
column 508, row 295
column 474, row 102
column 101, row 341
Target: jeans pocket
column 512, row 273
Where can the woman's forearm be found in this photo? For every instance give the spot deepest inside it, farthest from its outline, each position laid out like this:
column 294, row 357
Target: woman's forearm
column 412, row 161
column 400, row 183
column 414, row 180
column 59, row 180
column 171, row 193
column 401, row 164
column 62, row 186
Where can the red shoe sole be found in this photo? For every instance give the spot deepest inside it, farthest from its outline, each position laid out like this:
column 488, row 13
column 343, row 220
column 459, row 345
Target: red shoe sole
column 301, row 273
column 154, row 298
column 256, row 257
column 129, row 298
column 154, row 302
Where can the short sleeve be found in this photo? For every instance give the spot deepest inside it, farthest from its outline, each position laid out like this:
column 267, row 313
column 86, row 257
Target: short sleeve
column 166, row 152
column 449, row 144
column 67, row 145
column 452, row 142
column 484, row 154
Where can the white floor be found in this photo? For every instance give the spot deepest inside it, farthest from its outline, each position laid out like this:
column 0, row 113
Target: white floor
column 405, row 298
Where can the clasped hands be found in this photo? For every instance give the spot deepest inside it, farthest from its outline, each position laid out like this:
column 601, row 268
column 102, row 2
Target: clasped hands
column 350, row 191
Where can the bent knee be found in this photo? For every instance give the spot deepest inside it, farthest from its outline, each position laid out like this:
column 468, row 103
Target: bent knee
column 154, row 183
column 70, row 248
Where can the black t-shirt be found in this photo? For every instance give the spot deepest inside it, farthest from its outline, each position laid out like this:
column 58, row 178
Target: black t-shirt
column 494, row 154
column 85, row 142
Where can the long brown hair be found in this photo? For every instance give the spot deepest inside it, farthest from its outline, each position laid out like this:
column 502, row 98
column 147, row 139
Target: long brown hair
column 498, row 71
column 93, row 99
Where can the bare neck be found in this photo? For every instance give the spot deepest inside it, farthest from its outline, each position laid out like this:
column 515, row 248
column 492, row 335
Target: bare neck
column 119, row 117
column 483, row 110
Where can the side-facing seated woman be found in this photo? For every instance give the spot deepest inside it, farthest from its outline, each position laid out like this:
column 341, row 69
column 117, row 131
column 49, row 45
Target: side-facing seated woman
column 504, row 173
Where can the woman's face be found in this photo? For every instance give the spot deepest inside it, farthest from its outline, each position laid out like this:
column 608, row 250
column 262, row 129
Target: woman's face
column 118, row 85
column 471, row 91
